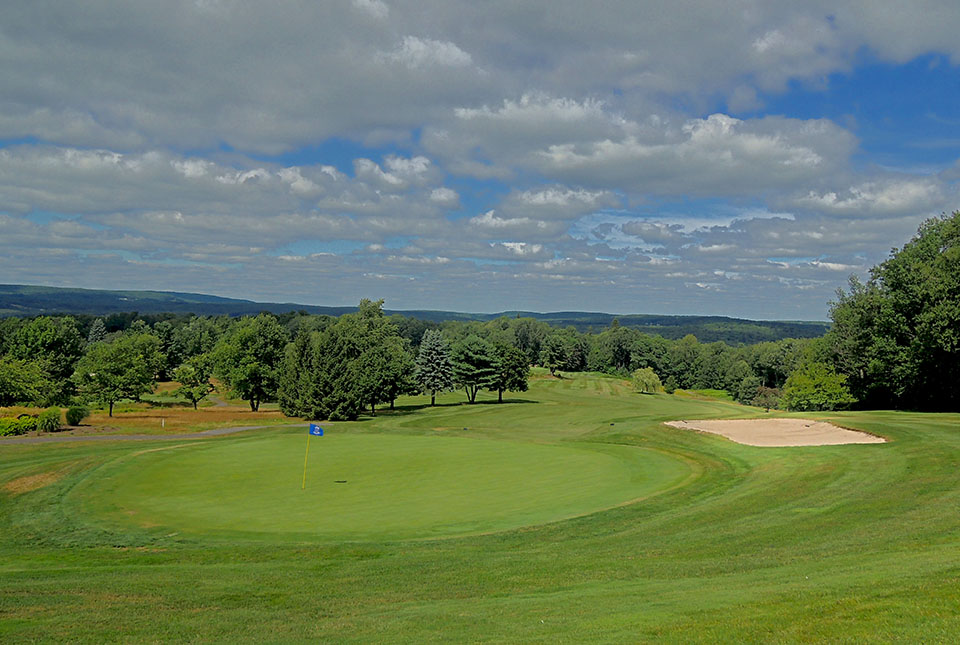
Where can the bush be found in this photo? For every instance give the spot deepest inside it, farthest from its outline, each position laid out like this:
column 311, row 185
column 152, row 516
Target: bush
column 49, row 420
column 816, row 387
column 76, row 414
column 646, row 380
column 767, row 398
column 10, row 427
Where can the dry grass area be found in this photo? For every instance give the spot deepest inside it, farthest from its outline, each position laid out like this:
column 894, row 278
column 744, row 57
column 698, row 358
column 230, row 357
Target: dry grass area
column 35, row 481
column 147, row 418
column 176, row 420
column 167, row 416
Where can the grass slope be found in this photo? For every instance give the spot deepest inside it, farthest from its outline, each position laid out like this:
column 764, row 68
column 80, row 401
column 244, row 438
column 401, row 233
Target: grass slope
column 839, row 543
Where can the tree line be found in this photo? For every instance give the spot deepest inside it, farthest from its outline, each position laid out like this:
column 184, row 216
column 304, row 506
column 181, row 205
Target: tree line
column 326, row 367
column 894, row 343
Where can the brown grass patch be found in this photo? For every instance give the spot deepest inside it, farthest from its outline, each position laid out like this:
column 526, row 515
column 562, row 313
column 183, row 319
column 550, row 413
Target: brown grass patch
column 180, row 420
column 28, row 483
column 144, row 418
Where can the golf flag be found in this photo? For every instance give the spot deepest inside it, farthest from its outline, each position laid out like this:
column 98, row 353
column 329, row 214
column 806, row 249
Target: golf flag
column 314, row 431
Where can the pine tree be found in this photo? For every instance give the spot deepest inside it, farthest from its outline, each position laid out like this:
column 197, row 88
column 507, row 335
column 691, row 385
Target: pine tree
column 434, row 369
column 473, row 366
column 98, row 332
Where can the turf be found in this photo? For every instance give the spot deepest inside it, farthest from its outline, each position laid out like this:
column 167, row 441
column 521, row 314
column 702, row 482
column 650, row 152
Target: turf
column 368, row 487
column 857, row 543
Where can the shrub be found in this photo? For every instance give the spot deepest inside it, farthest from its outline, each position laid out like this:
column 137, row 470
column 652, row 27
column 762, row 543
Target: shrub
column 76, row 414
column 767, row 397
column 816, row 386
column 11, row 427
column 646, row 380
column 49, row 420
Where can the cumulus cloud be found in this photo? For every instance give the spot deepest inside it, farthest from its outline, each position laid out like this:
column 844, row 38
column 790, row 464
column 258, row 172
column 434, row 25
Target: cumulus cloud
column 899, row 196
column 557, row 153
column 718, row 155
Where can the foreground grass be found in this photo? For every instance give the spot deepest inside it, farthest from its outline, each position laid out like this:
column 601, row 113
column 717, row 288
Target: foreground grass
column 840, row 543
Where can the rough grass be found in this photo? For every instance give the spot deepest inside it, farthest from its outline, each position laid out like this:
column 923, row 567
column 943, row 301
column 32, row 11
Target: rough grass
column 856, row 543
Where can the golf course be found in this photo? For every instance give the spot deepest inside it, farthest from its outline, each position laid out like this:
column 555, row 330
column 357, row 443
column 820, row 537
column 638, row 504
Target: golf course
column 569, row 513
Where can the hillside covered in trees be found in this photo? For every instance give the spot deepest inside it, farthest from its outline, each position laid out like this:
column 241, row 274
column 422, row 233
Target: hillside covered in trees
column 26, row 300
column 895, row 343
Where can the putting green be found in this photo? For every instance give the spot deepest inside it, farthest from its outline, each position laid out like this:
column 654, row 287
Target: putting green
column 370, row 486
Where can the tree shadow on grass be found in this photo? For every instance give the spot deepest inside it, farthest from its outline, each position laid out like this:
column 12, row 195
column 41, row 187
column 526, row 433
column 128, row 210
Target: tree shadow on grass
column 505, row 402
column 412, row 408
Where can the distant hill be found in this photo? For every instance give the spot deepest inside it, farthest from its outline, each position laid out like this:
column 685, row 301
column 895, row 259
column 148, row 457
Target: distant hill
column 27, row 300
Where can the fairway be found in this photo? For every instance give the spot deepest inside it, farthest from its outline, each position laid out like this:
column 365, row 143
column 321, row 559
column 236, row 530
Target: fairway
column 571, row 513
column 362, row 487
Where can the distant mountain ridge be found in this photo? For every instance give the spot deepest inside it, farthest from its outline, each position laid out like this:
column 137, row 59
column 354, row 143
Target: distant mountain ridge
column 29, row 300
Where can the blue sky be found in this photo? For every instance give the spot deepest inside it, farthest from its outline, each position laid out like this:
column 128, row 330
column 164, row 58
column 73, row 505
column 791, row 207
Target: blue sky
column 741, row 158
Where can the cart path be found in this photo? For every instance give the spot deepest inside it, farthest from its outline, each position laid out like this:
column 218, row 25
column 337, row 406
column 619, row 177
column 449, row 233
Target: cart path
column 215, row 432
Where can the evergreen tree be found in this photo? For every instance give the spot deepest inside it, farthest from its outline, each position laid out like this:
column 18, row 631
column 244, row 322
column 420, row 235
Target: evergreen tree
column 98, row 332
column 473, row 366
column 358, row 360
column 299, row 389
column 434, row 371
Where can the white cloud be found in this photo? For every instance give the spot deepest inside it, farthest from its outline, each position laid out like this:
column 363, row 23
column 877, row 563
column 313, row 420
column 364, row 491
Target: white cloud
column 718, row 155
column 445, row 197
column 375, row 8
column 886, row 197
column 417, row 53
column 142, row 148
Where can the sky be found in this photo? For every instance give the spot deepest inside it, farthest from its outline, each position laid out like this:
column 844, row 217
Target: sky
column 740, row 158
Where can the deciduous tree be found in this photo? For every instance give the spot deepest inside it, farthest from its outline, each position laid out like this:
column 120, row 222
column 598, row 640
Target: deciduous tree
column 194, row 379
column 510, row 370
column 248, row 358
column 646, row 380
column 122, row 369
column 897, row 336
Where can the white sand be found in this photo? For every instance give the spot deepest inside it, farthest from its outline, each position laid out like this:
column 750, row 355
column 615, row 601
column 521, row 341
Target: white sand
column 779, row 432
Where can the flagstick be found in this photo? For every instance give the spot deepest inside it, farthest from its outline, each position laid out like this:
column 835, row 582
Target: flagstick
column 305, row 455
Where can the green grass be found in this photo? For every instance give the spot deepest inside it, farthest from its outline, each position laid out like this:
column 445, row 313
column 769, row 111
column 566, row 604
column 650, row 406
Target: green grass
column 367, row 487
column 726, row 543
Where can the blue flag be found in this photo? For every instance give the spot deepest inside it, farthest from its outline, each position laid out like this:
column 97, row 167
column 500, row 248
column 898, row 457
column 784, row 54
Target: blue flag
column 316, row 430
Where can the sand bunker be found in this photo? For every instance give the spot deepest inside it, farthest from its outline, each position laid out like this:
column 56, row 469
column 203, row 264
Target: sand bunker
column 779, row 432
